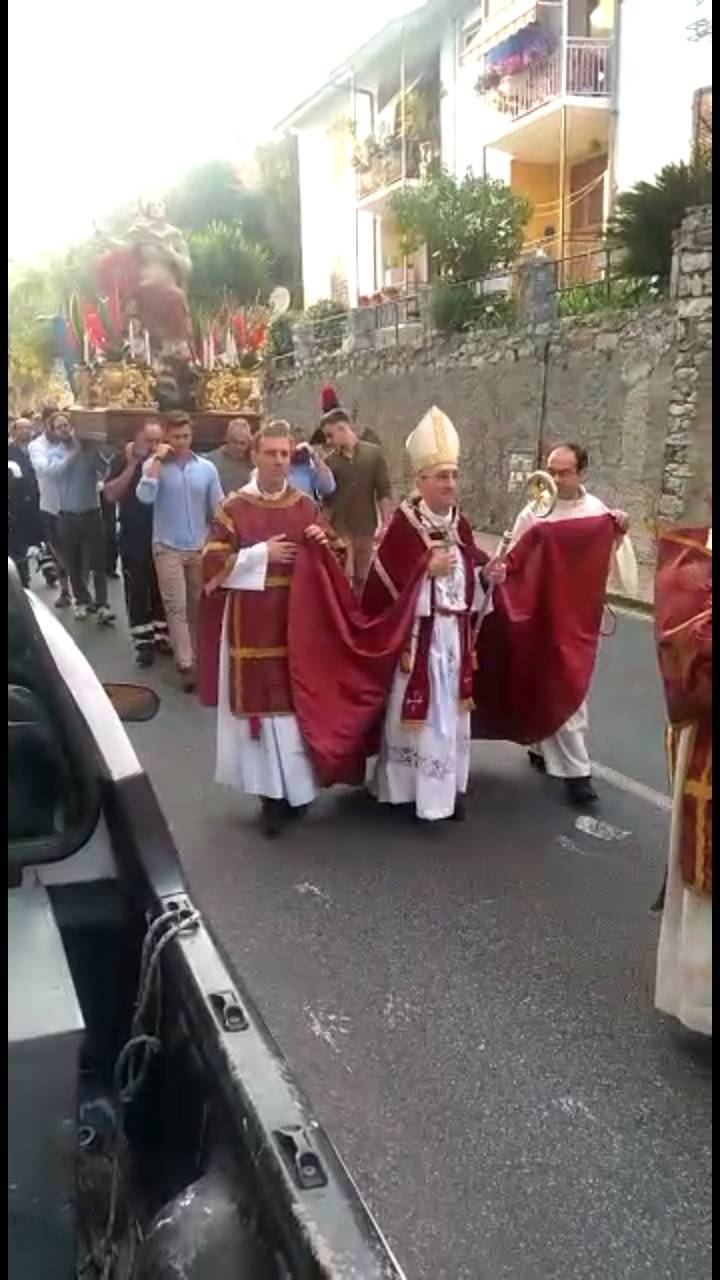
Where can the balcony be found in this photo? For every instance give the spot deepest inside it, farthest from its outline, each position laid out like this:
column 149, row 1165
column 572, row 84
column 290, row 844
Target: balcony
column 588, row 72
column 384, row 167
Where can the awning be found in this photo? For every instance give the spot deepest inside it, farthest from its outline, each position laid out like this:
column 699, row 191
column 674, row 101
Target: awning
column 503, row 24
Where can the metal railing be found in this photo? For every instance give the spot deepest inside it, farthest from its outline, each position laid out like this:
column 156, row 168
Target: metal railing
column 588, row 75
column 586, row 281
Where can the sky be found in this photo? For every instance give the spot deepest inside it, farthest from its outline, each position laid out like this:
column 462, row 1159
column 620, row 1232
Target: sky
column 108, row 103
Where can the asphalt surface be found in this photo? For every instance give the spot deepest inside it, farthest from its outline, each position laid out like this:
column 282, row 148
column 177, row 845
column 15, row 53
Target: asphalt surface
column 470, row 1007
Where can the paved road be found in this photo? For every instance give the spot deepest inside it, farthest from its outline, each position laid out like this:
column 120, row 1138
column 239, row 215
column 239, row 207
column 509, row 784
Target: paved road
column 470, row 1007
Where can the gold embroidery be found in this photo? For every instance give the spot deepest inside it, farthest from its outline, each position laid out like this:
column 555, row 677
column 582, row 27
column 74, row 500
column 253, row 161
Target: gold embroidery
column 274, row 651
column 275, row 504
column 277, row 581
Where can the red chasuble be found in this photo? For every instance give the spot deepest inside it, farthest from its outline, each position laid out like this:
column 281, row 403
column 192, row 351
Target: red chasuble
column 536, row 651
column 257, row 626
column 683, row 631
column 407, row 543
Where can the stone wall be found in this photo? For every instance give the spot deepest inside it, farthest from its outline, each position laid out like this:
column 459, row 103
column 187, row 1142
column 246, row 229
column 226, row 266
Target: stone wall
column 686, row 479
column 628, row 385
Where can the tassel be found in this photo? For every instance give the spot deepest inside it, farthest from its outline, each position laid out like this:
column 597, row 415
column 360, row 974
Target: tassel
column 255, row 727
column 406, row 664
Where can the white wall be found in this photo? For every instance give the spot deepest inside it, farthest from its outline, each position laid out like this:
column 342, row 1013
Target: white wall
column 462, row 116
column 659, row 72
column 327, row 214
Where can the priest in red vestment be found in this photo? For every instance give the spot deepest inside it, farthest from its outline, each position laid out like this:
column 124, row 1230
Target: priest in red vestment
column 683, row 629
column 248, row 564
column 424, row 756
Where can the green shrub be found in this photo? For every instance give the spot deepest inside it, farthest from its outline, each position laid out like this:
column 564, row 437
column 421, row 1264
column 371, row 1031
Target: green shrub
column 329, row 324
column 614, row 295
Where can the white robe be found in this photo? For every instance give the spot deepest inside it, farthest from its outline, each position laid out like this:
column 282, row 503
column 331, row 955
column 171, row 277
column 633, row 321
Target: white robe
column 566, row 753
column 683, row 983
column 429, row 766
column 276, row 765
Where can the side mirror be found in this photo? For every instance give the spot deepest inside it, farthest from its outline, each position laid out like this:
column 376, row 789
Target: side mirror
column 134, row 703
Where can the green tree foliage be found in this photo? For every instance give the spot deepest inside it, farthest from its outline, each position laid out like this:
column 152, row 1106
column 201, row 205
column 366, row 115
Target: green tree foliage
column 648, row 214
column 210, row 193
column 471, row 226
column 228, row 269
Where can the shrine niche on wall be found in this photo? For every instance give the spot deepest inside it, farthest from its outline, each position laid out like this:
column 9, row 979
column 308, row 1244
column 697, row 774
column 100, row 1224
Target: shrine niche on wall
column 521, row 466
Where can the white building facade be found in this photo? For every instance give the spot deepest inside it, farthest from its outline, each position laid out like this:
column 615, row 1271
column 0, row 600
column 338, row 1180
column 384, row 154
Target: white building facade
column 569, row 101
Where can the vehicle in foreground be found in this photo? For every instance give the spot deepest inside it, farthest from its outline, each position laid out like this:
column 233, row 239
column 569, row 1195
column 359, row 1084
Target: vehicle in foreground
column 154, row 1128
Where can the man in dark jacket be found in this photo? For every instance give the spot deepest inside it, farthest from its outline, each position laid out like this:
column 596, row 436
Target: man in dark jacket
column 23, row 499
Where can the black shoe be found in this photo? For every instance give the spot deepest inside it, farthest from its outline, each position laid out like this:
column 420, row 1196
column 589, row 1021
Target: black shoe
column 459, row 813
column 272, row 818
column 536, row 761
column 144, row 657
column 581, row 791
column 188, row 679
column 163, row 647
column 295, row 812
column 64, row 600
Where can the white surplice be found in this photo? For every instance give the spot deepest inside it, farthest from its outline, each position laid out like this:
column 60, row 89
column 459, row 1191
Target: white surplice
column 428, row 766
column 275, row 765
column 683, row 983
column 566, row 753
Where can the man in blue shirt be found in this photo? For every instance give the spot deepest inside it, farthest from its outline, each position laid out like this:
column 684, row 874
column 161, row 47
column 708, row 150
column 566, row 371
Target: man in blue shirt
column 308, row 471
column 76, row 467
column 184, row 491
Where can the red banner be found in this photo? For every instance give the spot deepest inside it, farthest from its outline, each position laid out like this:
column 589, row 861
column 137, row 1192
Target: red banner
column 536, row 650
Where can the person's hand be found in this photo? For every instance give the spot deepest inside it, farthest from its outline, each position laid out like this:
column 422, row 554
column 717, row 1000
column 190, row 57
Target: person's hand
column 280, row 551
column 441, row 562
column 622, row 521
column 314, row 533
column 163, row 452
column 495, row 572
column 130, row 456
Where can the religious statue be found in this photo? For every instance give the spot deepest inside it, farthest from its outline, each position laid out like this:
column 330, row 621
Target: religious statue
column 148, row 269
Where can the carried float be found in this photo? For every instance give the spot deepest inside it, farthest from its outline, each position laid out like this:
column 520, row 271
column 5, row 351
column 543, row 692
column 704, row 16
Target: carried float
column 139, row 351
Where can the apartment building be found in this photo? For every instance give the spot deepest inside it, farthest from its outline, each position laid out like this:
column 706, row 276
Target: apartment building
column 568, row 101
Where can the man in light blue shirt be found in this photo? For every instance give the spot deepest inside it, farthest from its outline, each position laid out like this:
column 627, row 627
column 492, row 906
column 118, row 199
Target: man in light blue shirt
column 308, row 472
column 184, row 491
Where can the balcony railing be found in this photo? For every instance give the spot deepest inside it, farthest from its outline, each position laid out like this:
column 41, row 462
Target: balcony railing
column 385, row 167
column 588, row 75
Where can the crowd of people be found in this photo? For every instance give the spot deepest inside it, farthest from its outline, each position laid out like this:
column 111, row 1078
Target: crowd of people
column 370, row 662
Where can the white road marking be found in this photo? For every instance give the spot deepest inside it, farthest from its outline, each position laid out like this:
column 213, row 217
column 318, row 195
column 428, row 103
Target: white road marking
column 598, row 829
column 306, row 888
column 632, row 787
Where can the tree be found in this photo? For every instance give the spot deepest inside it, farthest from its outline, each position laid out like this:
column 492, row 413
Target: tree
column 228, row 269
column 648, row 214
column 210, row 193
column 470, row 227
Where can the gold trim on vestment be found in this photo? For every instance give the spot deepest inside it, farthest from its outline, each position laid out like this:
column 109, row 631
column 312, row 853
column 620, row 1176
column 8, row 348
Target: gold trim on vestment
column 276, row 580
column 272, row 651
column 289, row 498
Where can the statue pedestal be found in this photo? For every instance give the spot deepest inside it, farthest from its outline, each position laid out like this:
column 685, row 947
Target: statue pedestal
column 116, row 427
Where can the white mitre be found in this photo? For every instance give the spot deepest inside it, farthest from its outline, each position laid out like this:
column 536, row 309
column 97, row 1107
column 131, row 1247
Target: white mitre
column 433, row 443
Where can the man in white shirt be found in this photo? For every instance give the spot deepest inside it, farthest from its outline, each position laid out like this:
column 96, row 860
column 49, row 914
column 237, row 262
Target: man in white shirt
column 565, row 755
column 44, row 452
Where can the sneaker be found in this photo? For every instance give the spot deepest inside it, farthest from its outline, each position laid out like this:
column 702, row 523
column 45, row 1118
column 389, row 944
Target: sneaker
column 145, row 656
column 64, row 600
column 581, row 791
column 105, row 617
column 163, row 647
column 80, row 612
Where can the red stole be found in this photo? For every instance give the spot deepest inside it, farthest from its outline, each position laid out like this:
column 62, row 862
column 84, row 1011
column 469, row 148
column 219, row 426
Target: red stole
column 683, row 630
column 257, row 622
column 407, row 542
